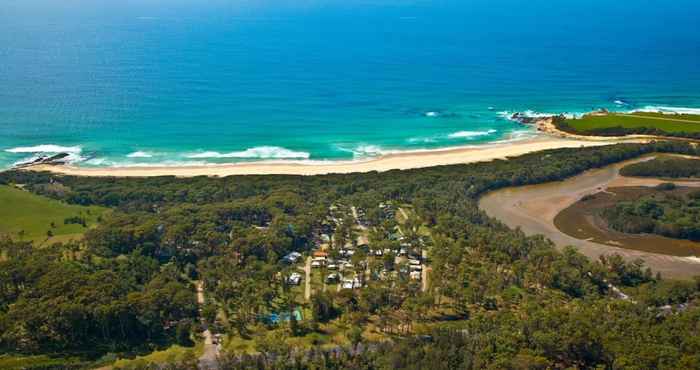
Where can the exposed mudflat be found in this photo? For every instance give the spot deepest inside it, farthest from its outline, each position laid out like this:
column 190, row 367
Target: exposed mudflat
column 582, row 220
column 534, row 209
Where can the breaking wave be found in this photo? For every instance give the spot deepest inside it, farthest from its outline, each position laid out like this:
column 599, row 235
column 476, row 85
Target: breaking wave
column 470, row 134
column 97, row 162
column 367, row 151
column 668, row 110
column 261, row 152
column 140, row 154
column 46, row 148
column 452, row 136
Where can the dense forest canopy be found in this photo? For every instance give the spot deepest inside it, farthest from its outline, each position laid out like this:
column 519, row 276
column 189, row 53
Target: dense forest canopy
column 667, row 213
column 496, row 299
column 664, row 167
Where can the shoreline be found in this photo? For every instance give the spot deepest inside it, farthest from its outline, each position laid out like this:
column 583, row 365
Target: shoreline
column 395, row 161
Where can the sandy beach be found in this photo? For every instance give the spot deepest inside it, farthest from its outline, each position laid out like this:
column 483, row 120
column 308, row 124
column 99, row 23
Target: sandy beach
column 399, row 161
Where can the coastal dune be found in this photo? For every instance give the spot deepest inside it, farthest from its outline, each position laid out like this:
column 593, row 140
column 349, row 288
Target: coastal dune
column 397, row 161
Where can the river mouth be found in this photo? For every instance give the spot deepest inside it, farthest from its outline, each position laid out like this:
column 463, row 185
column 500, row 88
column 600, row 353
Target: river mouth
column 582, row 220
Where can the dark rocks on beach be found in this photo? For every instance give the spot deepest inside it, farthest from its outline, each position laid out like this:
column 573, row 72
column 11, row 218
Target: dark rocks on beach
column 56, row 159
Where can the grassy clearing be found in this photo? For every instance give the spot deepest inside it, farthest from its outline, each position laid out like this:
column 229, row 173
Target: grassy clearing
column 677, row 117
column 35, row 362
column 671, row 123
column 28, row 216
column 174, row 353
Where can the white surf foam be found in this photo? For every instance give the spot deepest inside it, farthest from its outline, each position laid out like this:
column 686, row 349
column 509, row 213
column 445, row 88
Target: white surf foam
column 26, row 160
column 508, row 115
column 668, row 110
column 470, row 134
column 261, row 152
column 367, row 150
column 140, row 154
column 46, row 148
column 427, row 139
column 362, row 151
column 168, row 163
column 97, row 162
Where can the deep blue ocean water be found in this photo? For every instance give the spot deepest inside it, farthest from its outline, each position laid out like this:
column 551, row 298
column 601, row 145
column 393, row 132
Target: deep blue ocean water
column 185, row 81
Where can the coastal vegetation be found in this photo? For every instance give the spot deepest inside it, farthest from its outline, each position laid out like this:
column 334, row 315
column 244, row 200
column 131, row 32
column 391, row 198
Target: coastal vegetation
column 642, row 123
column 486, row 296
column 667, row 213
column 664, row 167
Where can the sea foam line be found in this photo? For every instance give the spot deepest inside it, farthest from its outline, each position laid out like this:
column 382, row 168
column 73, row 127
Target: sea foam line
column 366, row 150
column 42, row 150
column 667, row 110
column 46, row 148
column 140, row 154
column 260, row 152
column 508, row 115
column 469, row 134
column 452, row 136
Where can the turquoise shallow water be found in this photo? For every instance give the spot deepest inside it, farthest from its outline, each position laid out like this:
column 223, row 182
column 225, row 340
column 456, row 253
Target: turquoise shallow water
column 189, row 82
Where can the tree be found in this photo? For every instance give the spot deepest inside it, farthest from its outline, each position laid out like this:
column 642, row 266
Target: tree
column 355, row 336
column 183, row 333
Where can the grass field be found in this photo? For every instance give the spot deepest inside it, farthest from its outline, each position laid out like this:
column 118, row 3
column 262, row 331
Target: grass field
column 9, row 362
column 671, row 123
column 28, row 216
column 173, row 354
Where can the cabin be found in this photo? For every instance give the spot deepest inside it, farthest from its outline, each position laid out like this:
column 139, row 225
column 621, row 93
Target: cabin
column 294, row 279
column 291, row 258
column 333, row 278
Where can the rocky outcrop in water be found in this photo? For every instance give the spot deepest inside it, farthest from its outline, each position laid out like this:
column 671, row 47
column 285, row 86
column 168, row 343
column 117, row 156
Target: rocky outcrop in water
column 56, row 159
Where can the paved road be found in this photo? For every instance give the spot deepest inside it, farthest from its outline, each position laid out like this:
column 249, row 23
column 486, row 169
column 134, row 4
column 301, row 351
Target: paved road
column 533, row 209
column 208, row 360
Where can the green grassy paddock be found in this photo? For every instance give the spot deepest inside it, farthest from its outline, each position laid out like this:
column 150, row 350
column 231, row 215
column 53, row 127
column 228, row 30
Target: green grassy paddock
column 174, row 353
column 669, row 123
column 10, row 362
column 28, row 216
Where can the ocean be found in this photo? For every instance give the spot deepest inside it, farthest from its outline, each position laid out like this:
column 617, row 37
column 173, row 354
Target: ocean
column 185, row 82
